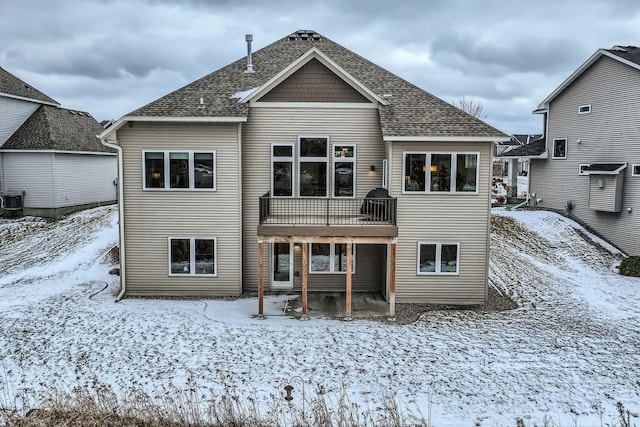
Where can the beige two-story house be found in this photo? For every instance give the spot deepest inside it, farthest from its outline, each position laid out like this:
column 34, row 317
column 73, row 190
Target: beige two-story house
column 304, row 167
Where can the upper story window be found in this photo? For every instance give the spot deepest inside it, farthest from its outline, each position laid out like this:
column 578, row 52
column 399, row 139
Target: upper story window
column 179, row 170
column 559, row 148
column 584, row 109
column 313, row 165
column 282, row 170
column 344, row 164
column 434, row 172
column 635, row 170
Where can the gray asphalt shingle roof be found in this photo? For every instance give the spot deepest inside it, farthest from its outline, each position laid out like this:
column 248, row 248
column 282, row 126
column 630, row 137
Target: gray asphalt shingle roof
column 412, row 111
column 12, row 85
column 55, row 128
column 534, row 148
column 630, row 53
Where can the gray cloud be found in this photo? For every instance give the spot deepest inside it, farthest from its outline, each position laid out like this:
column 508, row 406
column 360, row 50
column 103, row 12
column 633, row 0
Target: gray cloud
column 110, row 57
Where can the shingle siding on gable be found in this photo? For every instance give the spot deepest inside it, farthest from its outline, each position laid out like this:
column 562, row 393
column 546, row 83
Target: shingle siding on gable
column 610, row 133
column 313, row 82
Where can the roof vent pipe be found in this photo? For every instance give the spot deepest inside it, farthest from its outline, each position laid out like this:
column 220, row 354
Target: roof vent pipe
column 249, row 39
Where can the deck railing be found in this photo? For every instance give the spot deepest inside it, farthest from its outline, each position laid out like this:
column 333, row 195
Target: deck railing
column 323, row 211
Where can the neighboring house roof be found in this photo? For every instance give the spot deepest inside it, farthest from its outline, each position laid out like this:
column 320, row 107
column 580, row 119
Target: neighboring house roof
column 628, row 55
column 14, row 87
column 410, row 111
column 532, row 149
column 55, row 128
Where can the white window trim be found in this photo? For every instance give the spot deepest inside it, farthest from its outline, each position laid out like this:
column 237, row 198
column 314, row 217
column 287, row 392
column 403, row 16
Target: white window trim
column 580, row 166
column 438, row 259
column 332, row 252
column 580, row 107
column 325, row 159
column 192, row 255
column 284, row 159
column 633, row 169
column 343, row 160
column 454, row 169
column 385, row 171
column 167, row 174
column 553, row 148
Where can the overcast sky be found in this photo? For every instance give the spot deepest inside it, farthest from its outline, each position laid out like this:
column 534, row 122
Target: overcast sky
column 110, row 57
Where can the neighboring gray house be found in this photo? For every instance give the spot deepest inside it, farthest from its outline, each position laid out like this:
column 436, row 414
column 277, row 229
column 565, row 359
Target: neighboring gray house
column 51, row 162
column 258, row 178
column 515, row 159
column 591, row 164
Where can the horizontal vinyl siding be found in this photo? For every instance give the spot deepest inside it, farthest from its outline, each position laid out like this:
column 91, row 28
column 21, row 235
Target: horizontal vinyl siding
column 452, row 218
column 32, row 173
column 283, row 125
column 609, row 134
column 152, row 216
column 370, row 273
column 82, row 179
column 13, row 113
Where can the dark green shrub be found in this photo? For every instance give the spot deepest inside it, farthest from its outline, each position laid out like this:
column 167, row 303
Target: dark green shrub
column 630, row 266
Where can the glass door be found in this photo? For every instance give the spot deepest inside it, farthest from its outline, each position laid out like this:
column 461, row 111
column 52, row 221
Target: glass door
column 282, row 266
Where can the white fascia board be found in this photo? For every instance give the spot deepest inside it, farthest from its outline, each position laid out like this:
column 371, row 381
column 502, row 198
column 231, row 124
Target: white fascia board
column 446, row 138
column 172, row 119
column 22, row 98
column 313, row 53
column 593, row 58
column 94, row 153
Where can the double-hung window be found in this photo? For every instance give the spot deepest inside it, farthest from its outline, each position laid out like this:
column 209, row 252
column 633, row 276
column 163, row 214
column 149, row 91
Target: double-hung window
column 344, row 165
column 192, row 256
column 179, row 170
column 313, row 161
column 331, row 258
column 282, row 170
column 435, row 172
column 438, row 258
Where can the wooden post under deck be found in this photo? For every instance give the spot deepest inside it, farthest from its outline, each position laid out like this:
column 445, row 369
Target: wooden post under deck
column 392, row 281
column 260, row 279
column 348, row 303
column 305, row 269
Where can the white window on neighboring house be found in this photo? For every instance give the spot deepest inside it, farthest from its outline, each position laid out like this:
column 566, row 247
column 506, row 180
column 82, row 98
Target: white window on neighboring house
column 584, row 109
column 438, row 258
column 635, row 170
column 282, row 171
column 435, row 172
column 192, row 256
column 179, row 170
column 559, row 148
column 313, row 159
column 330, row 258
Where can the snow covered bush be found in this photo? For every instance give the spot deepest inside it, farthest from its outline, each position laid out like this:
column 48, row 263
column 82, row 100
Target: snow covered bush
column 630, row 266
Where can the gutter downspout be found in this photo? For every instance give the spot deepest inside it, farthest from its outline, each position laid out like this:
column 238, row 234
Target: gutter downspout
column 123, row 283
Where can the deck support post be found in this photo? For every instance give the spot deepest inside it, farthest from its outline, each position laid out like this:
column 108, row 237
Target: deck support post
column 261, row 280
column 392, row 282
column 348, row 291
column 305, row 270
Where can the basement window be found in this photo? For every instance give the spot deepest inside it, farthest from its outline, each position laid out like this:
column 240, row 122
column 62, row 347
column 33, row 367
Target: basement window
column 438, row 258
column 584, row 109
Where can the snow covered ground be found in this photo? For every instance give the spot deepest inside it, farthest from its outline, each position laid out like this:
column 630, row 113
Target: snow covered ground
column 571, row 346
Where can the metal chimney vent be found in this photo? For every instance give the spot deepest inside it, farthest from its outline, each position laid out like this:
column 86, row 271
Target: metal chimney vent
column 249, row 39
